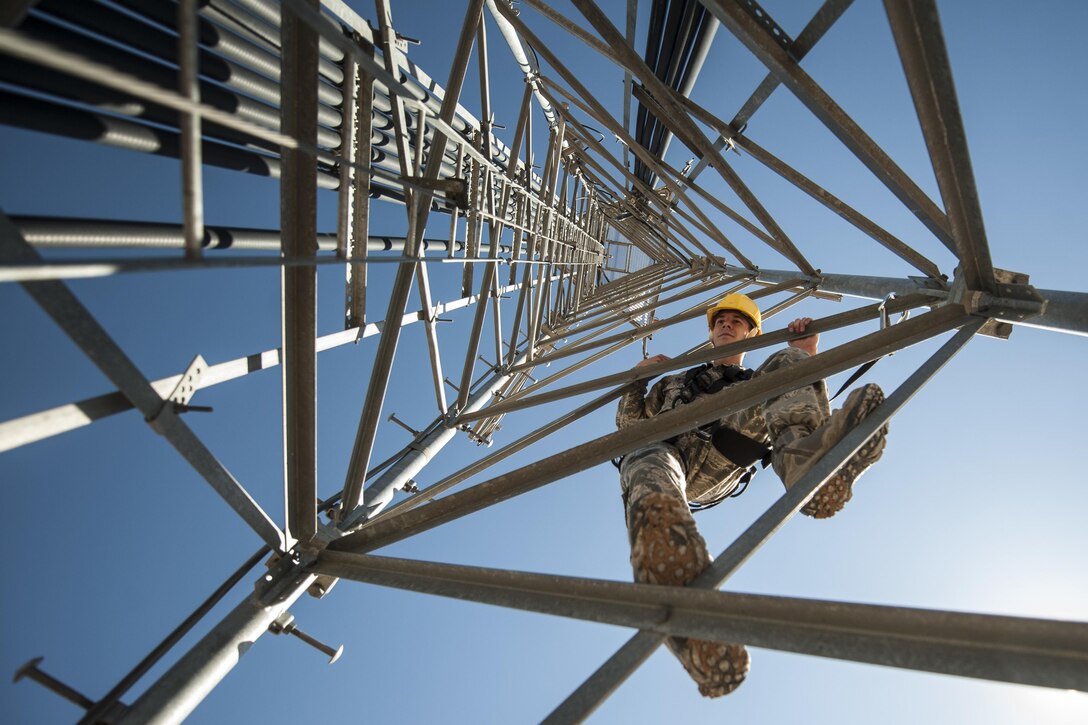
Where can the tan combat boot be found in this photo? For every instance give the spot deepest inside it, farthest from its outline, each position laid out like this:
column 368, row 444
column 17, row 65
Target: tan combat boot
column 795, row 451
column 667, row 549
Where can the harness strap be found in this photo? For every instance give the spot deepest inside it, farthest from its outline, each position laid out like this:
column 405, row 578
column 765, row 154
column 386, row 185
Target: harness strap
column 854, row 376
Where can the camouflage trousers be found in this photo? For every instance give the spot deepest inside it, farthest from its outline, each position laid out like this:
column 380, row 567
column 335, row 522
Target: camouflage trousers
column 659, row 467
column 666, row 547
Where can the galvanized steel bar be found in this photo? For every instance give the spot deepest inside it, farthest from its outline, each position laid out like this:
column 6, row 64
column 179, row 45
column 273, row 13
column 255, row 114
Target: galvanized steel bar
column 770, row 53
column 61, row 419
column 380, row 493
column 627, row 312
column 430, row 325
column 379, row 379
column 646, row 372
column 298, row 220
column 917, row 30
column 1039, row 652
column 821, row 22
column 32, row 271
column 72, row 317
column 94, row 714
column 483, row 464
column 495, row 230
column 691, row 313
column 353, row 220
column 663, row 426
column 590, row 105
column 841, row 208
column 678, row 120
column 185, row 685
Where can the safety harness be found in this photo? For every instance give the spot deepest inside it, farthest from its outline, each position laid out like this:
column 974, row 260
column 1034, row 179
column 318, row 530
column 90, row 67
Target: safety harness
column 740, row 449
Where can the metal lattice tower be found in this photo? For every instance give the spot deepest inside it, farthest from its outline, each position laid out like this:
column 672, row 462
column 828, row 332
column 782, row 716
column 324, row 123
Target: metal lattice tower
column 548, row 241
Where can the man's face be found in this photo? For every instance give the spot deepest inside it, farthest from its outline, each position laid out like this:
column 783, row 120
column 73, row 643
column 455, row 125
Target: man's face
column 729, row 326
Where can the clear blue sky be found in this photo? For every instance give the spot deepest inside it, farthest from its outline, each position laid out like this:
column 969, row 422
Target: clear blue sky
column 977, row 505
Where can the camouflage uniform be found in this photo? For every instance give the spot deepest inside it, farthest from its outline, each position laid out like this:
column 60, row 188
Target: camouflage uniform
column 707, row 473
column 659, row 480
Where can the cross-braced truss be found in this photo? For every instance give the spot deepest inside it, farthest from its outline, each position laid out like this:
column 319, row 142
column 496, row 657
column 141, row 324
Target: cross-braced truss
column 561, row 247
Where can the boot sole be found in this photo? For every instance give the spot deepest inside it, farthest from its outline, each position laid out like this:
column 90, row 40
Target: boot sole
column 833, row 495
column 668, row 550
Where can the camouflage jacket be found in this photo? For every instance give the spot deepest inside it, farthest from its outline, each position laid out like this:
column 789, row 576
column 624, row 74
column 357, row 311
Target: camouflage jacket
column 709, row 474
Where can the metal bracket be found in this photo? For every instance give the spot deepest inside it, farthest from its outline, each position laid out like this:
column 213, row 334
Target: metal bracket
column 178, row 400
column 1015, row 301
column 773, row 29
column 454, row 189
column 284, row 570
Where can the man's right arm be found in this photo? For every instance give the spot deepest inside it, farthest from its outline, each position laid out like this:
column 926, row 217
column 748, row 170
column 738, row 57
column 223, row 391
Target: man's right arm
column 635, row 405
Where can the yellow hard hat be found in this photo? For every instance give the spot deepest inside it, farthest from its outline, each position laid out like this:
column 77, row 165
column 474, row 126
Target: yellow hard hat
column 737, row 303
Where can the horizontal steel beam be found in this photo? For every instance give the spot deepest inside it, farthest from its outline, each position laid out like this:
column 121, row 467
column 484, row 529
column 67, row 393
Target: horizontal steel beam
column 646, row 372
column 700, row 412
column 1064, row 311
column 1046, row 653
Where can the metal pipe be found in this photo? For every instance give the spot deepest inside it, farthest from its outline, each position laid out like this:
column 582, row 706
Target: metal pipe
column 75, row 233
column 99, row 709
column 25, row 75
column 184, row 686
column 647, row 372
column 690, row 313
column 191, row 178
column 270, row 13
column 820, row 23
column 682, row 124
column 232, row 46
column 149, row 39
column 46, row 116
column 223, row 14
column 379, row 493
column 433, row 349
column 37, row 271
column 472, row 469
column 589, row 104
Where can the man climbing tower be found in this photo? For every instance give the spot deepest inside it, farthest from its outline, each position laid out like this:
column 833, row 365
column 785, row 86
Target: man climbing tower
column 705, row 465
